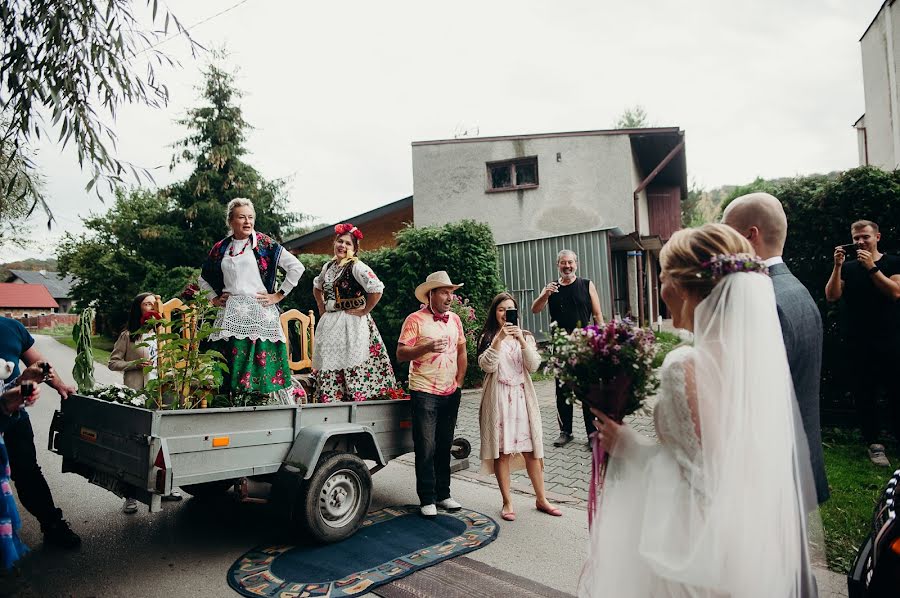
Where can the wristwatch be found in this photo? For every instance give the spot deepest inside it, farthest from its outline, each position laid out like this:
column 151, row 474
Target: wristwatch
column 874, row 269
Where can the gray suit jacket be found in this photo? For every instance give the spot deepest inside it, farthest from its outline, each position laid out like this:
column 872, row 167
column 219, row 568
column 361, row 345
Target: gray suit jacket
column 801, row 327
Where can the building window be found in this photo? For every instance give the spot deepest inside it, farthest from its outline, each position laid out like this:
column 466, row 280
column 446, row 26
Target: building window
column 508, row 175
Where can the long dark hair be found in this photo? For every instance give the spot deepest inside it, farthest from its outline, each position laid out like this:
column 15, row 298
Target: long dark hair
column 134, row 314
column 492, row 324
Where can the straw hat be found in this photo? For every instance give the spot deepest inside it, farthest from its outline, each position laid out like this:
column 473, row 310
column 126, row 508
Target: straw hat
column 435, row 280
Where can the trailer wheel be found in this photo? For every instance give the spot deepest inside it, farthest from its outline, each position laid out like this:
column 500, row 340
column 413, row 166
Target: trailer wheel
column 337, row 497
column 208, row 490
column 461, row 448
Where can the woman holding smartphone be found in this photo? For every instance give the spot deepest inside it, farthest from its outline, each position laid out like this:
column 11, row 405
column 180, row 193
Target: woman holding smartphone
column 510, row 419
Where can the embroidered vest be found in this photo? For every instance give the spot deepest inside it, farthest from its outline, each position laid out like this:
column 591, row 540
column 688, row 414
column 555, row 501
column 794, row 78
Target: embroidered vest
column 348, row 293
column 267, row 253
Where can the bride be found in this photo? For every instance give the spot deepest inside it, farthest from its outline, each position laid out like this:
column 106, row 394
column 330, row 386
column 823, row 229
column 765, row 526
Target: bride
column 719, row 507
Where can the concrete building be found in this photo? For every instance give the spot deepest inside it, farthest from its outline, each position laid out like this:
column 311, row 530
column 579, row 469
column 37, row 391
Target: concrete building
column 613, row 196
column 878, row 130
column 378, row 226
column 25, row 300
column 59, row 286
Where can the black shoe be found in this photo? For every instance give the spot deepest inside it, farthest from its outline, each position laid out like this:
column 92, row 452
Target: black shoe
column 59, row 534
column 563, row 439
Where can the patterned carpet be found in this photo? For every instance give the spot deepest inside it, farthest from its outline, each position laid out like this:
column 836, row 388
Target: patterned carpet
column 391, row 544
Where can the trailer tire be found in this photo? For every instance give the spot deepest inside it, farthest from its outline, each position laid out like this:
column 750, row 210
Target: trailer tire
column 208, row 490
column 336, row 498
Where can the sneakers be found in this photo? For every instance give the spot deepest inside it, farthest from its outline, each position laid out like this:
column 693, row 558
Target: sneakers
column 563, row 439
column 60, row 534
column 130, row 506
column 448, row 504
column 428, row 511
column 174, row 496
column 877, row 456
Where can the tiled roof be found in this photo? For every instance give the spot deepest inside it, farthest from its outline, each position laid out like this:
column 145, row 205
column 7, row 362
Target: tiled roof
column 59, row 286
column 31, row 296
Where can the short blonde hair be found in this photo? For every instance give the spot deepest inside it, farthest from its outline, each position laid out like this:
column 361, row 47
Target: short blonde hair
column 237, row 202
column 861, row 224
column 685, row 252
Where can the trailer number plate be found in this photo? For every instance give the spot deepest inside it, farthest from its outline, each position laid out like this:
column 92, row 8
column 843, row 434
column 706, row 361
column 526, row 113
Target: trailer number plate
column 88, row 434
column 108, row 481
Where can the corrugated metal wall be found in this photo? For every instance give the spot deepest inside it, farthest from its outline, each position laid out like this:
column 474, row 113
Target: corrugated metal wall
column 527, row 266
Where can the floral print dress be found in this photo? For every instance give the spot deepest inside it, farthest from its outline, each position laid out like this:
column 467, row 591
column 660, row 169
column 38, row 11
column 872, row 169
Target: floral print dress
column 350, row 360
column 515, row 430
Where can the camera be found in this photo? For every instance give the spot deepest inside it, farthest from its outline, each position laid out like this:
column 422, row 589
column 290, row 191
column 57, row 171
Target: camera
column 850, row 250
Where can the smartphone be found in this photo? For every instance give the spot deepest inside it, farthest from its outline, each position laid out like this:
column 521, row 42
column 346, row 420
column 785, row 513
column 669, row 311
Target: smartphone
column 850, row 250
column 512, row 317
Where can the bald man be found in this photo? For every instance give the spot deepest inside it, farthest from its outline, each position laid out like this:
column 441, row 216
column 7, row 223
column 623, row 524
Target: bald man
column 760, row 218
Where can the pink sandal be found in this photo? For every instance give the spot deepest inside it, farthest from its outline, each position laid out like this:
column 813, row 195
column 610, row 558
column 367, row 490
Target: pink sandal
column 508, row 516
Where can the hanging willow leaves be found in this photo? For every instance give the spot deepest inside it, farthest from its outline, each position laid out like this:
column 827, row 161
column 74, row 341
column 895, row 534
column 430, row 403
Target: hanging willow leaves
column 83, row 371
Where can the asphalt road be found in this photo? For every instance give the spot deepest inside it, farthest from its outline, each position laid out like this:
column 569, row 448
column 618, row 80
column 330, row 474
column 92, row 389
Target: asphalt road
column 186, row 549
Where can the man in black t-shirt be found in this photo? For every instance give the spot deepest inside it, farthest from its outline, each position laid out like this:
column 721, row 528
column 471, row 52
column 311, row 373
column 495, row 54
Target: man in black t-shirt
column 573, row 302
column 870, row 288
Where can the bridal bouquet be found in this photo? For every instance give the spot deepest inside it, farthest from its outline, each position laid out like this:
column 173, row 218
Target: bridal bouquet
column 608, row 367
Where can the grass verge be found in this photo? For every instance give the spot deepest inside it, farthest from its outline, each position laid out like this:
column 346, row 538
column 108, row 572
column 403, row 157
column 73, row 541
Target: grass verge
column 666, row 341
column 856, row 485
column 100, row 345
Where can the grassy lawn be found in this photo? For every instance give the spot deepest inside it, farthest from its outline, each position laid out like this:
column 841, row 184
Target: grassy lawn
column 855, row 486
column 101, row 345
column 666, row 342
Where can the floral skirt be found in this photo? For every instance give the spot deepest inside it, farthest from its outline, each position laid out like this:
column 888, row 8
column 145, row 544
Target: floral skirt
column 258, row 365
column 11, row 547
column 369, row 380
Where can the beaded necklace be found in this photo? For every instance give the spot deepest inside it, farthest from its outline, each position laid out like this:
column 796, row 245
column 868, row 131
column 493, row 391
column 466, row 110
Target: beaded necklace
column 231, row 248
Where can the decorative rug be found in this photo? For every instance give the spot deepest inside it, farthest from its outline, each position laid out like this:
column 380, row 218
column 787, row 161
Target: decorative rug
column 391, row 544
column 466, row 578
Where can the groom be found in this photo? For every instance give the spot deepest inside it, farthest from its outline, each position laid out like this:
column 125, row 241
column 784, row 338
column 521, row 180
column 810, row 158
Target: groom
column 760, row 218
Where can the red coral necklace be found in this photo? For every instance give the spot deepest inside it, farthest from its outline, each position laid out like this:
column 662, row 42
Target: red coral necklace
column 231, row 248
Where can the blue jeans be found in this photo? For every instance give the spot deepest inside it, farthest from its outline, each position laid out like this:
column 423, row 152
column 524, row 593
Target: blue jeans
column 433, row 423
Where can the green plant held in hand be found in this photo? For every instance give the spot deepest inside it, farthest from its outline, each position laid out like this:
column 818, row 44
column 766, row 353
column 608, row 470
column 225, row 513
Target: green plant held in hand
column 187, row 375
column 83, row 370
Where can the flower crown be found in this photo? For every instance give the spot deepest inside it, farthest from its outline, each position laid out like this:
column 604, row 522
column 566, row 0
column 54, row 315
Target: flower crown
column 346, row 227
column 724, row 264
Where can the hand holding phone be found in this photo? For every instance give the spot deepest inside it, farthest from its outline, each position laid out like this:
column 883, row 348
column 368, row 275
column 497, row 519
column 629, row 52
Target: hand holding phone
column 850, row 250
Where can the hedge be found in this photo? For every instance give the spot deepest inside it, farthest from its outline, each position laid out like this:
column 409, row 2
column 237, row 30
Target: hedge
column 465, row 249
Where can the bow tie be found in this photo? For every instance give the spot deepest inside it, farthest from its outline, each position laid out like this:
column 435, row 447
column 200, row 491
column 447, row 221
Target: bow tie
column 441, row 317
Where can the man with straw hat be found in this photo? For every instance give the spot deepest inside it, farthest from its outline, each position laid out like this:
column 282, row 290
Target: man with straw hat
column 434, row 343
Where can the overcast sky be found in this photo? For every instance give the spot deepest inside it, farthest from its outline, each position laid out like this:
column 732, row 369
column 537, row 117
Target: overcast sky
column 337, row 91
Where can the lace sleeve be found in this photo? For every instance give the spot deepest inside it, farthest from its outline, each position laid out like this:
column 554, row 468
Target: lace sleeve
column 319, row 281
column 366, row 278
column 676, row 416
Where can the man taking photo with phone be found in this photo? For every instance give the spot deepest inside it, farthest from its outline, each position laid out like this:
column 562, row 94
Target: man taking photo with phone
column 870, row 288
column 573, row 302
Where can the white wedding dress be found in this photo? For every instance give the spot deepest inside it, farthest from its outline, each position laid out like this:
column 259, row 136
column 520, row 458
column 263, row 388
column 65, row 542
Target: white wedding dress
column 718, row 507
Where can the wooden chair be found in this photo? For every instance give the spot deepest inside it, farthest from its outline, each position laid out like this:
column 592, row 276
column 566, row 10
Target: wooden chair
column 307, row 337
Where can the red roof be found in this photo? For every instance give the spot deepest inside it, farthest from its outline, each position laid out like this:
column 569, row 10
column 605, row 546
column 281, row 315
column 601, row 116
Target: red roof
column 25, row 295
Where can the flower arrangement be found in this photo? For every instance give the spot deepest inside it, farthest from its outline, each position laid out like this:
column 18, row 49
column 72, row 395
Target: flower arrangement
column 609, row 367
column 723, row 264
column 117, row 393
column 617, row 355
column 346, row 227
column 472, row 325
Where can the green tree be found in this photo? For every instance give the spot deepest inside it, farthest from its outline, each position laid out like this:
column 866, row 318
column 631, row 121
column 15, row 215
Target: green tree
column 215, row 146
column 633, row 118
column 67, row 67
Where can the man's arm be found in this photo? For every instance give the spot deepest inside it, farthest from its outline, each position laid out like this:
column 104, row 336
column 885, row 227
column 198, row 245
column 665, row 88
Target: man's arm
column 407, row 353
column 889, row 286
column 32, row 356
column 462, row 364
column 541, row 302
column 595, row 304
column 835, row 286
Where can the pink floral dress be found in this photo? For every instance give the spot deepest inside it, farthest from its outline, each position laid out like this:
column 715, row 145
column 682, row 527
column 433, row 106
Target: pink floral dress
column 515, row 431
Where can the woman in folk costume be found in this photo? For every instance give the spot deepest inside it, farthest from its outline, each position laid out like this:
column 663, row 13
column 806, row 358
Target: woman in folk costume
column 510, row 417
column 720, row 507
column 240, row 271
column 350, row 360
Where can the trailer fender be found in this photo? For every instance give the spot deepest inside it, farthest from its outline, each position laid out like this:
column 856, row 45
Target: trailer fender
column 311, row 441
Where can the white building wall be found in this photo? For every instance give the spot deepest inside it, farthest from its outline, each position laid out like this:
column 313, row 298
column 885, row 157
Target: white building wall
column 879, row 47
column 588, row 187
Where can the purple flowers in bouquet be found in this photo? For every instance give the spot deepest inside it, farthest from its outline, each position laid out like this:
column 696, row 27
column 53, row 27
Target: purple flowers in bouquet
column 609, row 367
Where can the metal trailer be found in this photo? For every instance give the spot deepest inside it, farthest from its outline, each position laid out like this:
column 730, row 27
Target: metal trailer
column 315, row 456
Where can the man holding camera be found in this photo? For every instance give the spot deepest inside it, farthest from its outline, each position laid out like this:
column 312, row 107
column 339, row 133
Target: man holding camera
column 15, row 344
column 573, row 303
column 870, row 287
